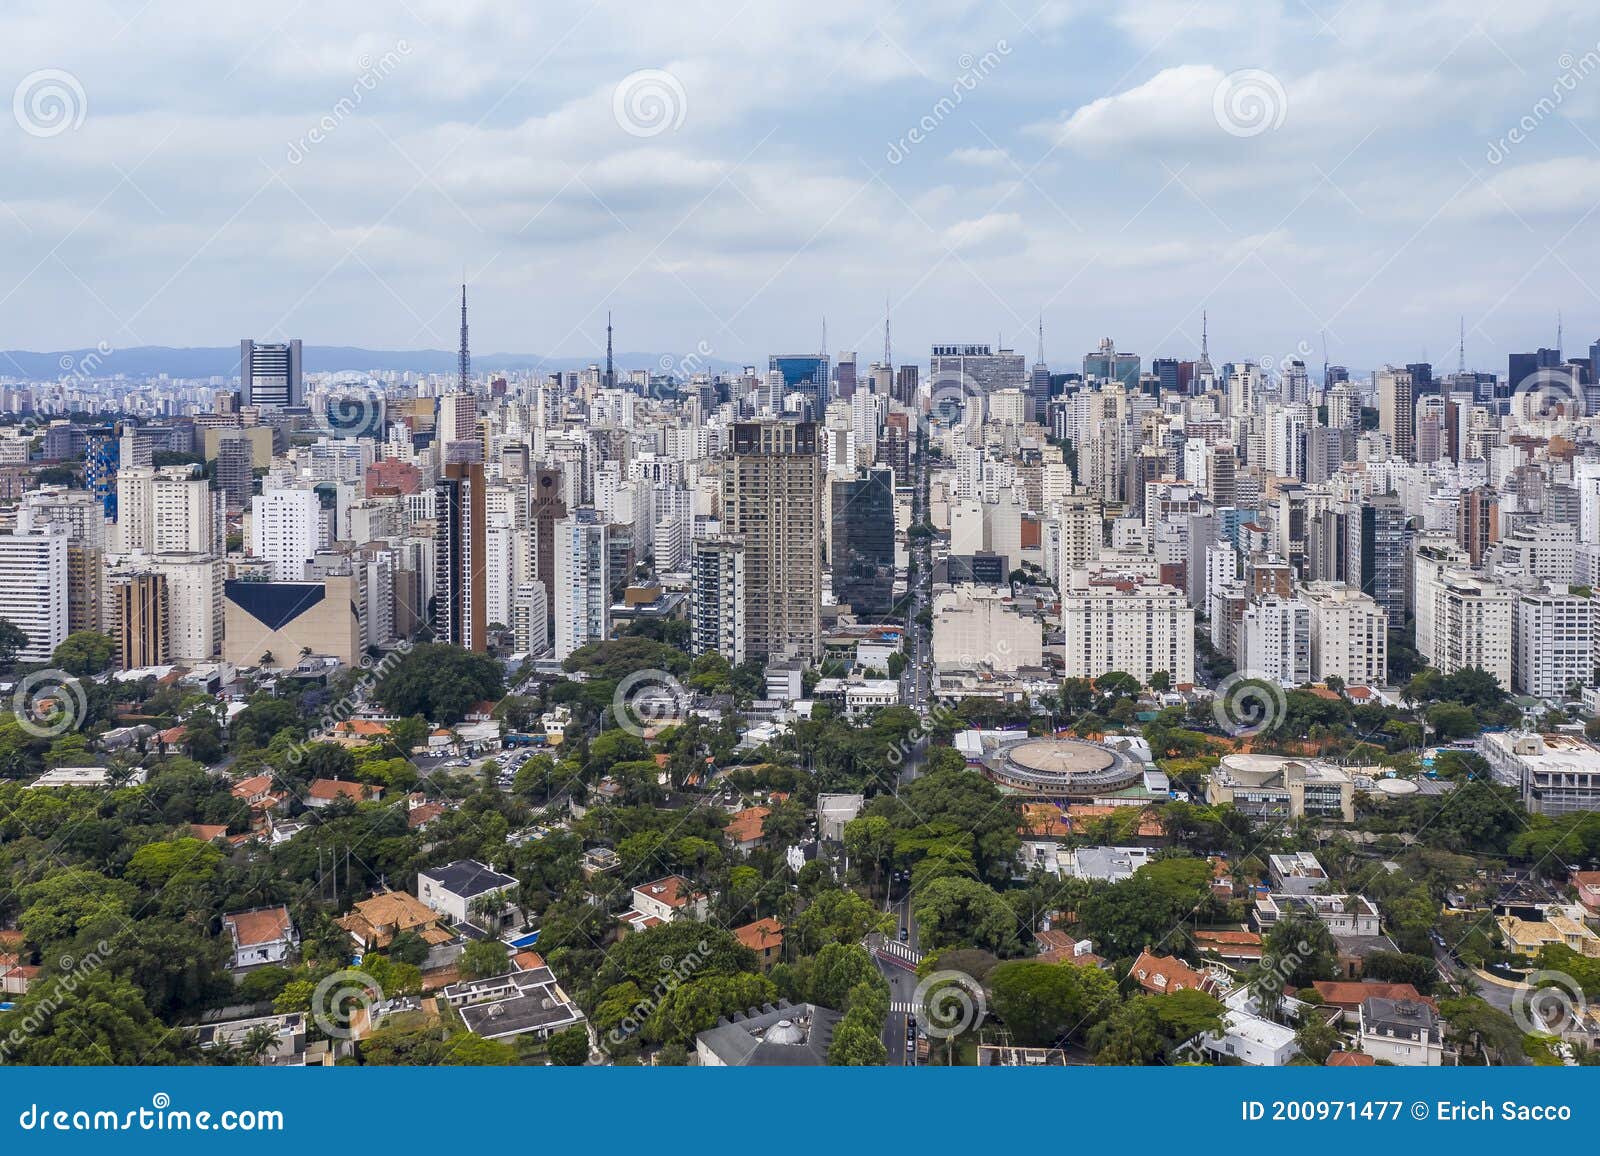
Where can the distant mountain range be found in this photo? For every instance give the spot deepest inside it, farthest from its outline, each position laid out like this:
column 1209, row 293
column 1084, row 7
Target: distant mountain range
column 152, row 360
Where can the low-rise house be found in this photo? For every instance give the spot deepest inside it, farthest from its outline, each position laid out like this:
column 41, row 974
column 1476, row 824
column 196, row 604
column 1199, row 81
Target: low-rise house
column 1341, row 914
column 1529, row 937
column 1350, row 1060
column 599, row 861
column 784, row 1035
column 834, row 811
column 1251, row 1040
column 1163, row 975
column 528, row 1001
column 289, row 1036
column 454, row 889
column 326, row 792
column 1106, row 864
column 746, row 829
column 1587, row 885
column 260, row 936
column 764, row 937
column 669, row 898
column 1296, row 873
column 1348, row 997
column 1240, row 948
column 1407, row 1032
column 374, row 923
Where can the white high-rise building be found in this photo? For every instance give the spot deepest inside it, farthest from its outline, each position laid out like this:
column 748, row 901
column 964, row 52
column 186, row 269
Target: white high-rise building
column 716, row 604
column 1274, row 640
column 33, row 585
column 1472, row 624
column 582, row 582
column 1552, row 643
column 166, row 510
column 1349, row 635
column 286, row 531
column 1130, row 623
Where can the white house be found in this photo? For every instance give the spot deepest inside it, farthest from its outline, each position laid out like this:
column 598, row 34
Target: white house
column 1252, row 1040
column 260, row 936
column 669, row 898
column 1402, row 1031
column 450, row 890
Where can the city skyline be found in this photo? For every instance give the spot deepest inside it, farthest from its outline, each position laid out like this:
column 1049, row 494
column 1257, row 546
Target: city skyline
column 697, row 176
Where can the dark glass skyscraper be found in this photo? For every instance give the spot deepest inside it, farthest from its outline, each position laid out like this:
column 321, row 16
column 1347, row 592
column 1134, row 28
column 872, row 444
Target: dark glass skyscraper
column 805, row 374
column 862, row 548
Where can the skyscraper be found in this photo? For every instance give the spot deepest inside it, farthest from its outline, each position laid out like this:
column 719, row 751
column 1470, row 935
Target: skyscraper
column 549, row 506
column 772, row 498
column 861, row 554
column 805, row 374
column 716, row 601
column 460, row 596
column 269, row 375
column 33, row 584
column 1397, row 411
column 582, row 581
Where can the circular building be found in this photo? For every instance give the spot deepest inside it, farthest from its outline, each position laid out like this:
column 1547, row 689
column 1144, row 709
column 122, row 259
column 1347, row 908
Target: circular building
column 1054, row 768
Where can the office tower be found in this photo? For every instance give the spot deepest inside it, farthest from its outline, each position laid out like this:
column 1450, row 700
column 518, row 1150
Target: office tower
column 269, row 375
column 1106, row 364
column 582, row 581
column 954, row 369
column 844, row 376
column 906, row 385
column 286, row 530
column 716, row 600
column 805, row 374
column 1397, row 411
column 1522, row 366
column 33, row 585
column 772, row 498
column 1477, row 522
column 549, row 506
column 140, row 620
column 235, row 469
column 459, row 536
column 1422, row 381
column 862, row 548
column 1375, row 552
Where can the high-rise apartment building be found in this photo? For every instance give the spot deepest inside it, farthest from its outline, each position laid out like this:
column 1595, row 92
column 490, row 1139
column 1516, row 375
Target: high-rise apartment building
column 460, row 598
column 1397, row 411
column 33, row 585
column 286, row 531
column 716, row 603
column 772, row 498
column 582, row 580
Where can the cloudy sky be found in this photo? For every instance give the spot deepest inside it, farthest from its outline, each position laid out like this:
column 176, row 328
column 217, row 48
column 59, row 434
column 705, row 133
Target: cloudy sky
column 721, row 177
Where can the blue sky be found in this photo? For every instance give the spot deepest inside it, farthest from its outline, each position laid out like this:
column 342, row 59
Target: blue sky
column 721, row 177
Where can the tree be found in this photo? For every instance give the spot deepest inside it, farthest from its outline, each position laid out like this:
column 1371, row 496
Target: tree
column 837, row 916
column 836, row 971
column 1042, row 1002
column 84, row 653
column 103, row 1019
column 12, row 641
column 965, row 912
column 569, row 1048
column 856, row 1045
column 1316, row 1037
column 439, row 682
column 483, row 958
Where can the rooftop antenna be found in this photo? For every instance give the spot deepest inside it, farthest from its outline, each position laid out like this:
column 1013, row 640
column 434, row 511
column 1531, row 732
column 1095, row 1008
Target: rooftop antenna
column 463, row 359
column 888, row 359
column 1324, row 359
column 1205, row 352
column 611, row 373
column 824, row 349
column 1558, row 332
column 1041, row 337
column 1461, row 347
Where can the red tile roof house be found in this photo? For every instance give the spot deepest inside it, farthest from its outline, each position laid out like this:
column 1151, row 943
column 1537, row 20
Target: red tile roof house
column 325, row 792
column 672, row 897
column 1588, row 886
column 746, row 830
column 1162, row 975
column 764, row 937
column 260, row 936
column 1347, row 995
